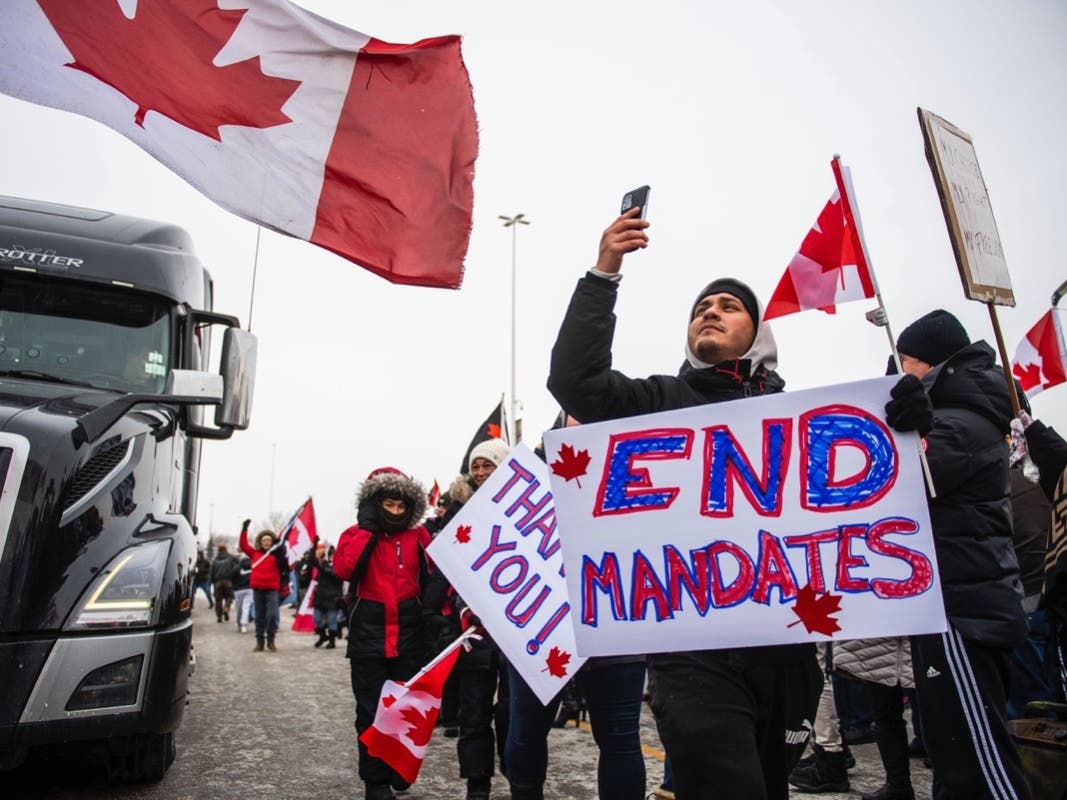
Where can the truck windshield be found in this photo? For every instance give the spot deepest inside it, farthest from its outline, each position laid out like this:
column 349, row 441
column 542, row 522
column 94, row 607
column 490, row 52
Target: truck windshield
column 104, row 337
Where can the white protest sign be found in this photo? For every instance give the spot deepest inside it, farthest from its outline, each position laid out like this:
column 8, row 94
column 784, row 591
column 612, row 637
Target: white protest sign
column 502, row 554
column 780, row 519
column 968, row 212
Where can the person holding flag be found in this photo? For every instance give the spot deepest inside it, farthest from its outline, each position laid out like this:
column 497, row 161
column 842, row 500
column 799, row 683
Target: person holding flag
column 382, row 556
column 269, row 567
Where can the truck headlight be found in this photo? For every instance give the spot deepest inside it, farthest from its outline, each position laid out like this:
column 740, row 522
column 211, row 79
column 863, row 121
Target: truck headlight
column 125, row 593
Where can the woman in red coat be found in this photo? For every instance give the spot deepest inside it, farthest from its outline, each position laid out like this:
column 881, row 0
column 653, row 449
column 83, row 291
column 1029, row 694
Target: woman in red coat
column 269, row 567
column 382, row 557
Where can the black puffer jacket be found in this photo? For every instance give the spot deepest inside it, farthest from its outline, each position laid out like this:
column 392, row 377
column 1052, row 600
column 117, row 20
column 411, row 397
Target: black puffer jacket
column 583, row 382
column 328, row 586
column 971, row 515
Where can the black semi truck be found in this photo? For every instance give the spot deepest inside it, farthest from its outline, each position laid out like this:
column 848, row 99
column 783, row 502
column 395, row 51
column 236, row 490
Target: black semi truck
column 105, row 385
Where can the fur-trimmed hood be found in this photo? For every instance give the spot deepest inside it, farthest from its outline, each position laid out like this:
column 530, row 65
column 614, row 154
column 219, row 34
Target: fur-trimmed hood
column 392, row 480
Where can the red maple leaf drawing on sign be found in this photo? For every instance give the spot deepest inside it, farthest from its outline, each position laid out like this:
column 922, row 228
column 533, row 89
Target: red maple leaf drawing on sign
column 463, row 534
column 162, row 60
column 570, row 464
column 421, row 725
column 814, row 611
column 556, row 662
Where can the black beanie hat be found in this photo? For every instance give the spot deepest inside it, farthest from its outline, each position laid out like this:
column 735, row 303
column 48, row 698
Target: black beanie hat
column 737, row 289
column 933, row 338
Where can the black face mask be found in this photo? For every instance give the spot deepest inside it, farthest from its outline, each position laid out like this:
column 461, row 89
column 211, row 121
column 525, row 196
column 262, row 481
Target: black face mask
column 393, row 522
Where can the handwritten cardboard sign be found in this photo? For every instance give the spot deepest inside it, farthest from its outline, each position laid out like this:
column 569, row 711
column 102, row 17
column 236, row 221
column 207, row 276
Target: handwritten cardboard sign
column 968, row 212
column 502, row 554
column 787, row 518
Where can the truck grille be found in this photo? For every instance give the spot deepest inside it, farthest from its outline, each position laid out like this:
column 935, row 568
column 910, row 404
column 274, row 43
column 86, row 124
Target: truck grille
column 96, row 469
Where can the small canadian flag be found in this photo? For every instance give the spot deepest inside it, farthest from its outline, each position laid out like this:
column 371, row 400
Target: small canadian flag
column 1041, row 359
column 830, row 267
column 407, row 713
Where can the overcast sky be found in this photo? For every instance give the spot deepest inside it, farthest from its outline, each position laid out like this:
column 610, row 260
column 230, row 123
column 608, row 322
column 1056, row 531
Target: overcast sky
column 730, row 111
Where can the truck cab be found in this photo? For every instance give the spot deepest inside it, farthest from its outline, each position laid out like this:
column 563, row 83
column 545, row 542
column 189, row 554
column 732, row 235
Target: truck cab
column 106, row 324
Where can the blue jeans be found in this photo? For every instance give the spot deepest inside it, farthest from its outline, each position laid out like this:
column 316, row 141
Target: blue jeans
column 613, row 698
column 1029, row 676
column 205, row 587
column 326, row 619
column 265, row 602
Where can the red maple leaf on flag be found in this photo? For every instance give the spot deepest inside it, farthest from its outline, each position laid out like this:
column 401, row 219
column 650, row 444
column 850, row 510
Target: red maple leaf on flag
column 421, row 725
column 463, row 534
column 828, row 243
column 388, row 700
column 814, row 611
column 141, row 58
column 570, row 464
column 1029, row 375
column 556, row 662
column 493, row 430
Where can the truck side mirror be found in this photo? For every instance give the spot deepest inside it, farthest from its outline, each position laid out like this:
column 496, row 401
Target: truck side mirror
column 238, row 367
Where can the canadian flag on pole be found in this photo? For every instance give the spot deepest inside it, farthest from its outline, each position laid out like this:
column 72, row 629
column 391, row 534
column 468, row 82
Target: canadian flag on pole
column 407, row 713
column 287, row 119
column 301, row 532
column 1041, row 359
column 304, row 621
column 830, row 266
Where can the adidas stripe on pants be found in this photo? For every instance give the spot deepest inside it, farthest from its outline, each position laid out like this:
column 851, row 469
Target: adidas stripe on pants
column 962, row 690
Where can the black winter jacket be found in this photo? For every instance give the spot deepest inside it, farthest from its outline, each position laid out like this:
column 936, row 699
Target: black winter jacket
column 971, row 515
column 328, row 585
column 583, row 382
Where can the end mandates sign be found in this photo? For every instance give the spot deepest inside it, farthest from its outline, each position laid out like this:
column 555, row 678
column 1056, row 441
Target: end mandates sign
column 782, row 519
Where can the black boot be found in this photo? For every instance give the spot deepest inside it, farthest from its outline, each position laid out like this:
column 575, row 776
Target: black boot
column 331, row 644
column 378, row 791
column 478, row 788
column 827, row 773
column 889, row 792
column 892, row 744
column 570, row 707
column 522, row 792
column 322, row 637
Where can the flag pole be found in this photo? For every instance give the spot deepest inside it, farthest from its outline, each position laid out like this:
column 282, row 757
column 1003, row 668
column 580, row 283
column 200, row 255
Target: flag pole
column 255, row 268
column 877, row 316
column 470, row 633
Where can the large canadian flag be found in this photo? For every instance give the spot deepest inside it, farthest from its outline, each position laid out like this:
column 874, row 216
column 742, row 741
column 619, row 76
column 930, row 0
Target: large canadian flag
column 830, row 267
column 287, row 119
column 407, row 713
column 1040, row 359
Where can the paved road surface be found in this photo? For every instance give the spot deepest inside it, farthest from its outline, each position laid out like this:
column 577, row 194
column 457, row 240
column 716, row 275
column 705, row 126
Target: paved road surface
column 279, row 726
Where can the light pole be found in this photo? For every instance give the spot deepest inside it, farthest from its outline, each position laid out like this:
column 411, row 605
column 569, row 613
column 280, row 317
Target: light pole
column 516, row 426
column 273, row 455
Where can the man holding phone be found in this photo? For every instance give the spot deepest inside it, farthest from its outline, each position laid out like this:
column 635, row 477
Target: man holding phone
column 722, row 714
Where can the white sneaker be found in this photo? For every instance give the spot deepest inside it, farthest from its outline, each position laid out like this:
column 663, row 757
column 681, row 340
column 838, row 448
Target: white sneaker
column 244, row 629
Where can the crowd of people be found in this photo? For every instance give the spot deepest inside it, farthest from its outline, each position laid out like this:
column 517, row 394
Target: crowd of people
column 728, row 718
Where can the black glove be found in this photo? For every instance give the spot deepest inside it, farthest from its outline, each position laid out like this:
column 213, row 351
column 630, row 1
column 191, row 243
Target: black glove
column 245, row 524
column 910, row 409
column 368, row 517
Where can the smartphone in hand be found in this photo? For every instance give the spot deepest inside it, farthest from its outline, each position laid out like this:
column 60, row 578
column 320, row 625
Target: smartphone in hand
column 636, row 197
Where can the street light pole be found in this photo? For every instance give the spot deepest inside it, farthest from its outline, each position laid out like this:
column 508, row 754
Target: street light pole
column 273, row 458
column 516, row 426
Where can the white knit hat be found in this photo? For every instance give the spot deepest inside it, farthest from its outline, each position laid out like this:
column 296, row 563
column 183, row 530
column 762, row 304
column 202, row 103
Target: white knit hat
column 495, row 450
